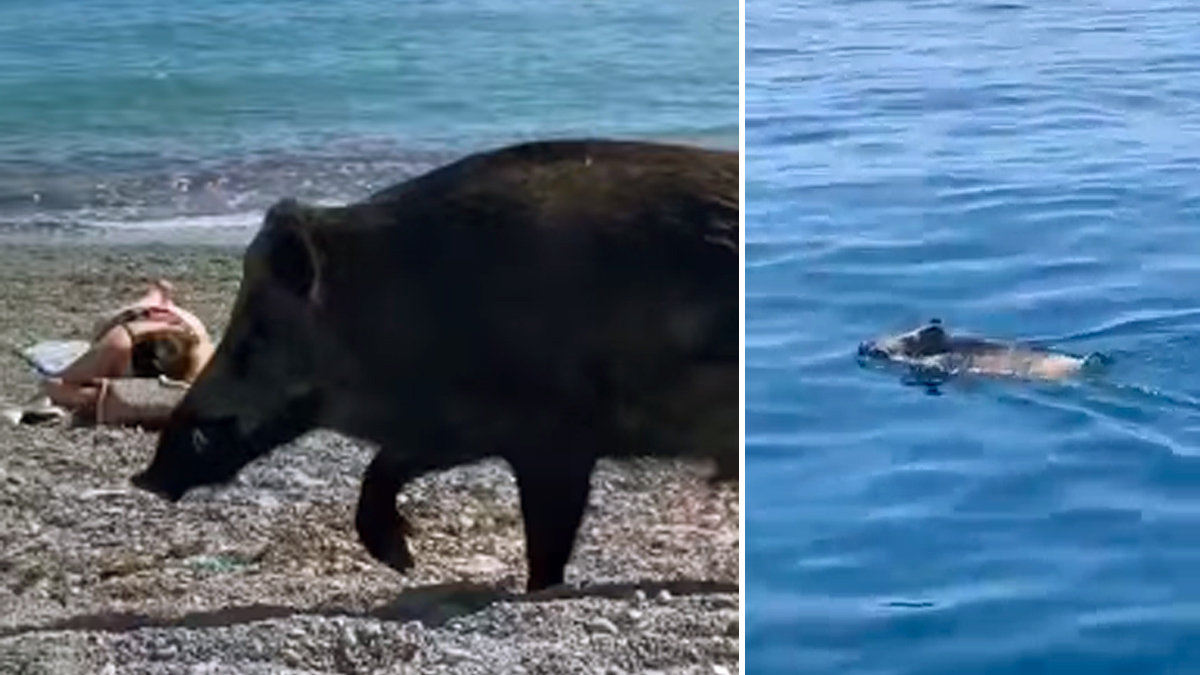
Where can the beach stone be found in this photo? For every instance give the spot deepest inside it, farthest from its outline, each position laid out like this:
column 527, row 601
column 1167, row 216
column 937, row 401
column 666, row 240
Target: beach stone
column 600, row 625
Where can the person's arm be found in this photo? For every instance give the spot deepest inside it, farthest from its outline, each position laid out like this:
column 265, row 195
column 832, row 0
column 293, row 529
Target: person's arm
column 158, row 294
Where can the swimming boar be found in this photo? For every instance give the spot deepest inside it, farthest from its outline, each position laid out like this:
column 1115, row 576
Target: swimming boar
column 549, row 303
column 933, row 350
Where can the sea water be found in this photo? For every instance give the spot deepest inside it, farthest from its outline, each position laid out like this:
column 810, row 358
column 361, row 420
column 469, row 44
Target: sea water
column 188, row 119
column 1021, row 170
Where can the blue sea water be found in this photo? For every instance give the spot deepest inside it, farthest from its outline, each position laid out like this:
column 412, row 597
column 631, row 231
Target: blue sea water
column 1021, row 170
column 166, row 117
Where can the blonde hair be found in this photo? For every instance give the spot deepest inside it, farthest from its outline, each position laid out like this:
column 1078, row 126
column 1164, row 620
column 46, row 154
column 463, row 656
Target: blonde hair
column 167, row 352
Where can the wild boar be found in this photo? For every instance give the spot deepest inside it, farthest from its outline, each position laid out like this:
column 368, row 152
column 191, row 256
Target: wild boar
column 549, row 303
column 933, row 353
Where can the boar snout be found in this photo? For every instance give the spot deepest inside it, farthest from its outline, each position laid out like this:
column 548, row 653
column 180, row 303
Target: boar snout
column 194, row 450
column 191, row 454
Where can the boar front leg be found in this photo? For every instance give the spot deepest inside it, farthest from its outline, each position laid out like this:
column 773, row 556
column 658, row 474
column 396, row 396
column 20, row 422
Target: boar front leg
column 554, row 491
column 381, row 528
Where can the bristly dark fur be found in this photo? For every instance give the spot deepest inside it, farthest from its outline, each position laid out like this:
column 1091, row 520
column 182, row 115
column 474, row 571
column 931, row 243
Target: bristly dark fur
column 543, row 173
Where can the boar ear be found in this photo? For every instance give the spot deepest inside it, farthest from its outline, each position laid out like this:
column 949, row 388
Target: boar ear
column 292, row 256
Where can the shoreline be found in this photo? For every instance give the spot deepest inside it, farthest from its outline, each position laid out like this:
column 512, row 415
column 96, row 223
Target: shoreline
column 266, row 575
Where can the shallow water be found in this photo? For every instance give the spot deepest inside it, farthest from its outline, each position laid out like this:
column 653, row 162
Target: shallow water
column 1022, row 171
column 123, row 115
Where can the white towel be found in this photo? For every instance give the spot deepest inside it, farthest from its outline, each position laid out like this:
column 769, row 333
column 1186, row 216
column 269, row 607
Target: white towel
column 50, row 357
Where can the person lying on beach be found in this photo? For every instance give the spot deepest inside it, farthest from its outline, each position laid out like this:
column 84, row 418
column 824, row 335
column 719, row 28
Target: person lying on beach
column 151, row 337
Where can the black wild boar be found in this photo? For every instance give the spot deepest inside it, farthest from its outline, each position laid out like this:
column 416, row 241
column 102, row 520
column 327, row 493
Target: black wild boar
column 549, row 303
column 933, row 353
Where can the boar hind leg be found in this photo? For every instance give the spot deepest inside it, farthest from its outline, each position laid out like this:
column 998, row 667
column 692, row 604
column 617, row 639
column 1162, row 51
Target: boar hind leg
column 381, row 529
column 554, row 493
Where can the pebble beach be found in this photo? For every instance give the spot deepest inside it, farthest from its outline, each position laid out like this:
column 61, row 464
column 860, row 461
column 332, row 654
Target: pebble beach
column 266, row 575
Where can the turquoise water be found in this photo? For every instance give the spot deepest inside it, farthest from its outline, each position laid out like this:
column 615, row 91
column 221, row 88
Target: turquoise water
column 1021, row 170
column 128, row 113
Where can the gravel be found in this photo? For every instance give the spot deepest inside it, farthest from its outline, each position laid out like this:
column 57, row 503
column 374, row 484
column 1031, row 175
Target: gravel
column 266, row 575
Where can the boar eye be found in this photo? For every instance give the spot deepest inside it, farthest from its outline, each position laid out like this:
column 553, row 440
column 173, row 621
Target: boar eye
column 199, row 441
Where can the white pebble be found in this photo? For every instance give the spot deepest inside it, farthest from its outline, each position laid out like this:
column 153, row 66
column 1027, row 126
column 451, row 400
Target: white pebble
column 454, row 655
column 291, row 657
column 349, row 637
column 602, row 625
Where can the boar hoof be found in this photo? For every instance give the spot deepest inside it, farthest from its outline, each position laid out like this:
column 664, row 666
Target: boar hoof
column 389, row 545
column 397, row 556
